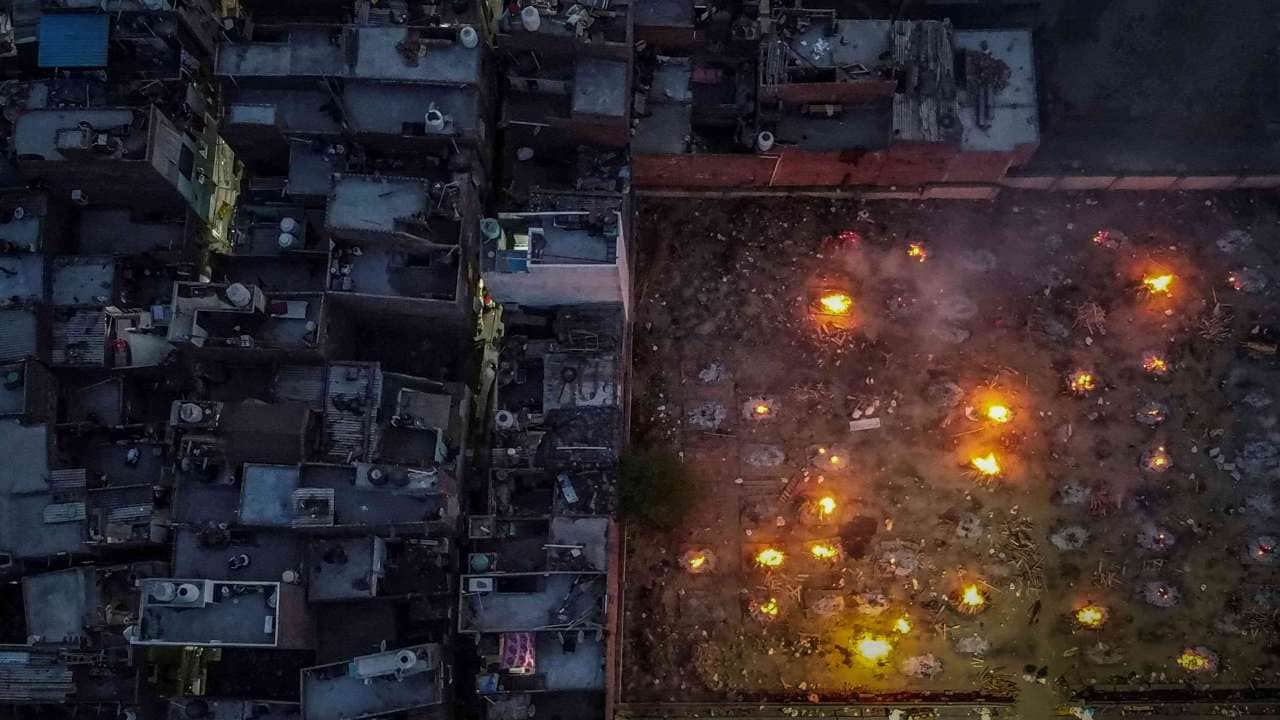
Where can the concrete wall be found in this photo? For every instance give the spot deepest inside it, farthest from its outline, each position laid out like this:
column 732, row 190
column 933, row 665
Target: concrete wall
column 551, row 285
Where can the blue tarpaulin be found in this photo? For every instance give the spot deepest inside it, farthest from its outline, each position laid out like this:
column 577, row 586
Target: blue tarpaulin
column 73, row 40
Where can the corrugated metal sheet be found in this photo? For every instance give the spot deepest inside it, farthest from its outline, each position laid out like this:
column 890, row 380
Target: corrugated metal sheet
column 301, row 383
column 67, row 480
column 55, row 513
column 31, row 678
column 17, row 334
column 348, row 433
column 73, row 40
column 80, row 338
column 312, row 507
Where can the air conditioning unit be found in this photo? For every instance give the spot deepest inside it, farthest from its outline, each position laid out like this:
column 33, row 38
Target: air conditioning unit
column 480, row 585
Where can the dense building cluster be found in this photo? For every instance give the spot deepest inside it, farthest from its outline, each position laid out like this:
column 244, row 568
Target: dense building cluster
column 313, row 345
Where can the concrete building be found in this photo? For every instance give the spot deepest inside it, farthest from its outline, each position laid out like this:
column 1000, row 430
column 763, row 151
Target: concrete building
column 189, row 612
column 568, row 249
column 835, row 102
column 133, row 157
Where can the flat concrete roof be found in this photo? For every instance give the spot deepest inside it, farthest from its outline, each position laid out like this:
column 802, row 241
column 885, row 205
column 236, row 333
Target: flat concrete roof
column 36, row 131
column 82, row 280
column 26, row 530
column 57, row 604
column 311, row 51
column 374, row 204
column 338, row 692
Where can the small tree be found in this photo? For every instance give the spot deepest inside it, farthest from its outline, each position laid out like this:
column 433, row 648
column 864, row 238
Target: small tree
column 655, row 488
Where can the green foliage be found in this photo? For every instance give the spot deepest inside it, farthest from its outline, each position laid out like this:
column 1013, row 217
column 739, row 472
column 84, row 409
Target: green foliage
column 655, row 488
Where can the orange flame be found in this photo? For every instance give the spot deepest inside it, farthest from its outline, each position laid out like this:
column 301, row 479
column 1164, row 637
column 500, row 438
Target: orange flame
column 1159, row 459
column 873, row 647
column 971, row 597
column 769, row 557
column 1192, row 660
column 1091, row 616
column 761, row 409
column 1082, row 382
column 697, row 561
column 827, row 505
column 902, row 625
column 823, row 552
column 769, row 607
column 918, row 252
column 1155, row 364
column 836, row 303
column 986, row 464
column 1158, row 284
column 999, row 413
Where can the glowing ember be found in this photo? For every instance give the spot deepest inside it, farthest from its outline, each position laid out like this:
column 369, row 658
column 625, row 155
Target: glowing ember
column 769, row 557
column 1158, row 284
column 761, row 409
column 873, row 647
column 1155, row 364
column 822, row 552
column 769, row 607
column 1157, row 459
column 999, row 413
column 698, row 561
column 835, row 460
column 827, row 505
column 1082, row 382
column 902, row 625
column 972, row 599
column 1198, row 659
column 1091, row 616
column 918, row 252
column 986, row 464
column 836, row 303
column 851, row 237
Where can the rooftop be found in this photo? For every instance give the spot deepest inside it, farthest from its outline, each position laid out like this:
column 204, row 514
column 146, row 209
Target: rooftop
column 383, row 205
column 24, row 277
column 79, row 337
column 82, row 280
column 345, row 568
column 244, row 316
column 45, row 134
column 60, row 606
column 230, row 709
column 19, row 333
column 363, row 52
column 37, row 519
column 394, row 681
column 22, row 220
column 217, row 554
column 534, row 602
column 206, row 612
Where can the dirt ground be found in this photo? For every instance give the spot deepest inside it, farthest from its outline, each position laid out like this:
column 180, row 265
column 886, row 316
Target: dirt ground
column 741, row 370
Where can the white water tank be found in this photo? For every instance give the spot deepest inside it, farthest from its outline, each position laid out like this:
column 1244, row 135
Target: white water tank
column 435, row 120
column 286, row 240
column 764, row 141
column 190, row 412
column 188, row 593
column 406, row 659
column 239, row 295
column 289, row 225
column 530, row 18
column 163, row 591
column 468, row 37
